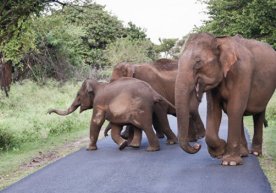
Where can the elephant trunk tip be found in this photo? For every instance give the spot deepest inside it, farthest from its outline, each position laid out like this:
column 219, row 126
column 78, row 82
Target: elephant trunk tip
column 190, row 149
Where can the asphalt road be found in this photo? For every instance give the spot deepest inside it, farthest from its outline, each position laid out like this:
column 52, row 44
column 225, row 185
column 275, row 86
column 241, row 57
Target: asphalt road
column 169, row 170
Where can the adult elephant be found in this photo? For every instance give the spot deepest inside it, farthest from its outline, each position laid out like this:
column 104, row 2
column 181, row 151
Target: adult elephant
column 239, row 76
column 161, row 75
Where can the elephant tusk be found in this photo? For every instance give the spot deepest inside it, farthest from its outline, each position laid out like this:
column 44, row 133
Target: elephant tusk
column 197, row 89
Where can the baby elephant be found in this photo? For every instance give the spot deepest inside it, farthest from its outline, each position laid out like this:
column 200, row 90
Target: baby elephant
column 127, row 101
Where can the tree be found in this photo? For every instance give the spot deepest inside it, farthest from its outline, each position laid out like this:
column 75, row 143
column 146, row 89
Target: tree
column 175, row 51
column 57, row 41
column 134, row 32
column 249, row 18
column 165, row 46
column 16, row 16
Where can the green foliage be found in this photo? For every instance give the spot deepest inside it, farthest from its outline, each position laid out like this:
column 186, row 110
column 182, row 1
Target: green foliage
column 134, row 32
column 127, row 50
column 59, row 48
column 62, row 42
column 250, row 18
column 16, row 36
column 166, row 46
column 19, row 44
column 175, row 51
column 24, row 117
column 7, row 139
column 100, row 29
column 13, row 16
column 271, row 110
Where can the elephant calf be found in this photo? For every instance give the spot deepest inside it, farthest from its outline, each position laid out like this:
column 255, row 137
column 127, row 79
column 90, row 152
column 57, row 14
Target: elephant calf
column 127, row 101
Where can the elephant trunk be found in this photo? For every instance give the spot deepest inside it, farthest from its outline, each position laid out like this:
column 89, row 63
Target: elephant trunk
column 70, row 110
column 183, row 92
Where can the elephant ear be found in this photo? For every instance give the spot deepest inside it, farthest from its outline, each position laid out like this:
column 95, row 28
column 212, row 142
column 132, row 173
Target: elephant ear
column 130, row 70
column 227, row 54
column 89, row 86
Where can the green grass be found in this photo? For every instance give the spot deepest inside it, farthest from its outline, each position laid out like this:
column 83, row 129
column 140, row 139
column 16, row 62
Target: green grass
column 26, row 128
column 24, row 118
column 268, row 160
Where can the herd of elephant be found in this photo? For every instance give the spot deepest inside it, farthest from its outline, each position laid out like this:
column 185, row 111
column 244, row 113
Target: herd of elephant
column 237, row 74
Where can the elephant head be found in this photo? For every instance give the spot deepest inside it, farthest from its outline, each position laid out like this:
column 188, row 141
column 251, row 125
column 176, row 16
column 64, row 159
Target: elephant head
column 122, row 70
column 84, row 99
column 203, row 64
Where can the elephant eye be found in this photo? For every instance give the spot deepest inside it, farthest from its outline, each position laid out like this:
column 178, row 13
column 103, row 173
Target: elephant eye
column 198, row 64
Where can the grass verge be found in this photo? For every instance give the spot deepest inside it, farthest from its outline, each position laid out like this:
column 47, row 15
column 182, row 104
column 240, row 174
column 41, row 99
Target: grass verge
column 15, row 165
column 268, row 159
column 29, row 137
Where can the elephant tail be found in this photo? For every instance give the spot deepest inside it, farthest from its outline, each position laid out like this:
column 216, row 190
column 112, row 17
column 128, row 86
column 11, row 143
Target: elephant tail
column 107, row 129
column 165, row 103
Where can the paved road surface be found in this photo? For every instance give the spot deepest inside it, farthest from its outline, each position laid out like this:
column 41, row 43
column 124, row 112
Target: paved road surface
column 169, row 170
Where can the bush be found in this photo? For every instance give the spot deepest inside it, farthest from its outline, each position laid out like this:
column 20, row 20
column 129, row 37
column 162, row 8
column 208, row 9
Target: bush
column 126, row 50
column 7, row 139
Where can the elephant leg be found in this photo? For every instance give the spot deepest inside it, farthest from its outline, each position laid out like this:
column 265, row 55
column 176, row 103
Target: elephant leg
column 107, row 130
column 199, row 126
column 243, row 144
column 130, row 129
column 258, row 133
column 152, row 139
column 115, row 134
column 95, row 127
column 232, row 155
column 216, row 146
column 157, row 126
column 235, row 111
column 162, row 118
column 137, row 137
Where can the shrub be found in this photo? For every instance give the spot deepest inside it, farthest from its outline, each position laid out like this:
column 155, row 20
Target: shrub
column 126, row 50
column 7, row 139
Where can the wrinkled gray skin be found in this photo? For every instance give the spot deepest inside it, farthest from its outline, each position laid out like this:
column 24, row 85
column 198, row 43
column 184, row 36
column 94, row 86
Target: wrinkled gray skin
column 239, row 76
column 127, row 101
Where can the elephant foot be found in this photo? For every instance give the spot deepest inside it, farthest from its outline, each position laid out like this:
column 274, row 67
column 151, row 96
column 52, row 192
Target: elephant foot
column 91, row 147
column 134, row 145
column 123, row 145
column 244, row 151
column 256, row 150
column 152, row 148
column 231, row 160
column 219, row 150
